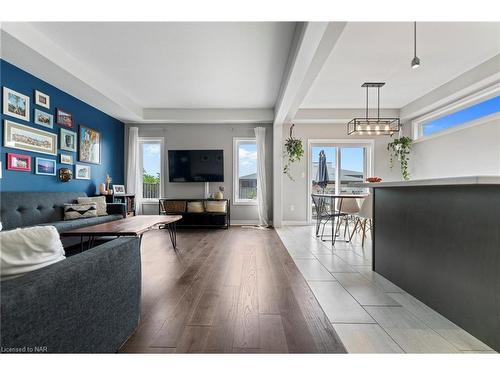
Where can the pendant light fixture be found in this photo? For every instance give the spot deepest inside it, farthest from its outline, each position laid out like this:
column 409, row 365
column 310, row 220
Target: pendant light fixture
column 415, row 63
column 373, row 125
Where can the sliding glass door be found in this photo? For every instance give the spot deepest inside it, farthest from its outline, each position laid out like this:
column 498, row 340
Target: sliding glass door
column 336, row 166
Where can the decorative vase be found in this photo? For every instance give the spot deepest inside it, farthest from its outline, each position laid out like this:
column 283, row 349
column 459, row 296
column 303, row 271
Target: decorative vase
column 102, row 189
column 219, row 195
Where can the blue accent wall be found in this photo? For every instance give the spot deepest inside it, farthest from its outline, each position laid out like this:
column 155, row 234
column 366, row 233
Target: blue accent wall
column 112, row 138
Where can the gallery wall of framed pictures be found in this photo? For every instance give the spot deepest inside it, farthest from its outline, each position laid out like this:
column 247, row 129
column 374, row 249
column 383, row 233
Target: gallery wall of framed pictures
column 44, row 129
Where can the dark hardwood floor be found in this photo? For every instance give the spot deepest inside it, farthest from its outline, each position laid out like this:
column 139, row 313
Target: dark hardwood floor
column 226, row 291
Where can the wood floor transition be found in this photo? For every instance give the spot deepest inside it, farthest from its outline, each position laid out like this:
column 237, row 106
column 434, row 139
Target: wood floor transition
column 227, row 291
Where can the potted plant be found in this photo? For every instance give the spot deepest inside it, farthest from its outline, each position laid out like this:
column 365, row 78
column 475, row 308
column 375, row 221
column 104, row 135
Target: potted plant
column 294, row 151
column 400, row 149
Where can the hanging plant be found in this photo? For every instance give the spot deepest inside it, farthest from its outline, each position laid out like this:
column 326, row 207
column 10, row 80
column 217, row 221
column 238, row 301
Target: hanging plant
column 294, row 151
column 399, row 149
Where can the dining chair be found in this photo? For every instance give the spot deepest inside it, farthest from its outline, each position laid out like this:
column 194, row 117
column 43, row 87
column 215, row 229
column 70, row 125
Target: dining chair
column 364, row 217
column 349, row 207
column 326, row 211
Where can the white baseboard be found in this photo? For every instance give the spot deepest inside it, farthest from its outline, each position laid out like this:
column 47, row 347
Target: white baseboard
column 244, row 222
column 294, row 222
column 247, row 222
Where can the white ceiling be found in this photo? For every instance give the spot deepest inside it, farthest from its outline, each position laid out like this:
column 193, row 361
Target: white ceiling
column 368, row 51
column 182, row 65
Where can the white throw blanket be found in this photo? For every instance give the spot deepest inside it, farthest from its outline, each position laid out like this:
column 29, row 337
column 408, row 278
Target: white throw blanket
column 28, row 249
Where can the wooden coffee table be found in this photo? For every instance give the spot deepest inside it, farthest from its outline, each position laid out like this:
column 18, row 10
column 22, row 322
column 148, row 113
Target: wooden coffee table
column 134, row 226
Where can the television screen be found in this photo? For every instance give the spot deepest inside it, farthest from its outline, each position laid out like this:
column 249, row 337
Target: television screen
column 196, row 165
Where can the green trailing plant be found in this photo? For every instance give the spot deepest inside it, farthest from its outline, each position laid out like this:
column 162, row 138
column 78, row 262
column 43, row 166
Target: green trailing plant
column 399, row 150
column 293, row 152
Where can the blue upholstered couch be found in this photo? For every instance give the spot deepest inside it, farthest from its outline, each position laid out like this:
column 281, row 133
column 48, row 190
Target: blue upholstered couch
column 87, row 303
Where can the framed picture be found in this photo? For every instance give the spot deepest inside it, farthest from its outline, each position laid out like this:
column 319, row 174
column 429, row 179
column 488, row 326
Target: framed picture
column 118, row 189
column 68, row 140
column 44, row 119
column 42, row 99
column 90, row 145
column 45, row 167
column 82, row 172
column 30, row 139
column 18, row 162
column 16, row 104
column 64, row 118
column 66, row 159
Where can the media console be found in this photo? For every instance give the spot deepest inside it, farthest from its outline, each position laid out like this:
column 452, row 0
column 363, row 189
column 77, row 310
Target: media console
column 216, row 212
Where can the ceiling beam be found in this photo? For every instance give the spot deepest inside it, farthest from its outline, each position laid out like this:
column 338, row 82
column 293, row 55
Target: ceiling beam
column 338, row 115
column 207, row 116
column 312, row 44
column 32, row 51
column 465, row 84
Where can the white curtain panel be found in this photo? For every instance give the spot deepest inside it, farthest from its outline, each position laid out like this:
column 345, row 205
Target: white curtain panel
column 260, row 137
column 134, row 174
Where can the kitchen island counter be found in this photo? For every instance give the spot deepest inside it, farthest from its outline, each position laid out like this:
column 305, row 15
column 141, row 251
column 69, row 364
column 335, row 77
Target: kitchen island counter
column 440, row 241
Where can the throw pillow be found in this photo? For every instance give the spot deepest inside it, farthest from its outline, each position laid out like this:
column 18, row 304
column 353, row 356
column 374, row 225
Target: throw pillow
column 99, row 201
column 28, row 249
column 214, row 206
column 74, row 211
column 195, row 207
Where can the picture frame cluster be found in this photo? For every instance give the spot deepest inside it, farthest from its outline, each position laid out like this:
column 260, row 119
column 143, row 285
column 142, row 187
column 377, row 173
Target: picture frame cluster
column 85, row 142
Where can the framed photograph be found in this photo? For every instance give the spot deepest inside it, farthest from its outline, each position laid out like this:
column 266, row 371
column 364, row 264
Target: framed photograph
column 27, row 138
column 64, row 118
column 42, row 99
column 82, row 172
column 66, row 159
column 68, row 140
column 18, row 162
column 90, row 145
column 118, row 189
column 44, row 119
column 45, row 167
column 15, row 104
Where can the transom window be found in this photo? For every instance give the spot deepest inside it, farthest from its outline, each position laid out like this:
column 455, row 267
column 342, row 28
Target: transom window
column 473, row 110
column 245, row 171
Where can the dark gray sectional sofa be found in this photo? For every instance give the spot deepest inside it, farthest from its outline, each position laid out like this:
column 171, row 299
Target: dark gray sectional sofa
column 28, row 208
column 87, row 303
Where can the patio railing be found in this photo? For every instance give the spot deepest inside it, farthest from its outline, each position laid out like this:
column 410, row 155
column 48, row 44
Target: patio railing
column 150, row 190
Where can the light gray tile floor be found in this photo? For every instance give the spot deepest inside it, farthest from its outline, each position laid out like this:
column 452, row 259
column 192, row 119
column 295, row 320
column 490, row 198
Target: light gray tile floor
column 370, row 314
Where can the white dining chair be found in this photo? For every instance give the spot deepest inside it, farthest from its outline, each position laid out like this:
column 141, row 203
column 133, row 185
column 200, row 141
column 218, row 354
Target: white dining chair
column 363, row 217
column 349, row 207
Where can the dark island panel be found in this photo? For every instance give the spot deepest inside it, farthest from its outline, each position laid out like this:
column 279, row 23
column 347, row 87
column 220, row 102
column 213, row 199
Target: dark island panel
column 442, row 245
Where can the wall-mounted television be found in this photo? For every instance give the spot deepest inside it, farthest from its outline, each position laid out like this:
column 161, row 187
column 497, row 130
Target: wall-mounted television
column 196, row 165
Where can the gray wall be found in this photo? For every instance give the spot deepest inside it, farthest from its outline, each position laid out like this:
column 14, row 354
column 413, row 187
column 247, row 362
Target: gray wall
column 295, row 192
column 466, row 152
column 207, row 136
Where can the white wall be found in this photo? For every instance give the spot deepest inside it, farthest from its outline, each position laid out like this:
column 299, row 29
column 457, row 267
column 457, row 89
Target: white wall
column 295, row 192
column 471, row 151
column 207, row 136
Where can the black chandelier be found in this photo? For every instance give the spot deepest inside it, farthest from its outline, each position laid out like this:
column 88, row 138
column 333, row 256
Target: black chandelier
column 373, row 125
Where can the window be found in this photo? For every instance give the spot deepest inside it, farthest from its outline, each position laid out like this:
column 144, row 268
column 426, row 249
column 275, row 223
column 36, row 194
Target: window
column 245, row 171
column 151, row 151
column 471, row 111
